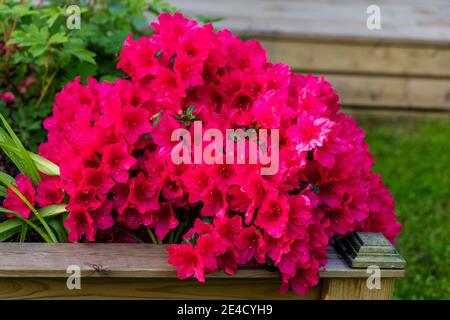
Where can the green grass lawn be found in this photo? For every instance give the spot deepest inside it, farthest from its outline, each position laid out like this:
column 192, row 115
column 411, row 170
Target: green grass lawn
column 413, row 156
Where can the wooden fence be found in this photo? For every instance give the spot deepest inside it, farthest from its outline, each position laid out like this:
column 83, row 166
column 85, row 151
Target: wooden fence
column 403, row 66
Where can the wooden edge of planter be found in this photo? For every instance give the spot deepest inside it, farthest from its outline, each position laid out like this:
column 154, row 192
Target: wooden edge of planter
column 143, row 261
column 141, row 271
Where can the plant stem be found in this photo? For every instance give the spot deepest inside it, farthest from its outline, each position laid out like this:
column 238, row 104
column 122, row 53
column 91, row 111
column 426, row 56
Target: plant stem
column 179, row 231
column 152, row 235
column 171, row 235
column 131, row 234
column 45, row 85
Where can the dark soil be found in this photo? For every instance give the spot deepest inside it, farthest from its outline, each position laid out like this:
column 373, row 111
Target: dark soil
column 7, row 166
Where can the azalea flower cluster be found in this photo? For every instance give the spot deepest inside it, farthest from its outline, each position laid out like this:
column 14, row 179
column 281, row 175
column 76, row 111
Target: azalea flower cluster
column 112, row 142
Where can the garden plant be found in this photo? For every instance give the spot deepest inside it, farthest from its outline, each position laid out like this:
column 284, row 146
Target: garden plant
column 106, row 171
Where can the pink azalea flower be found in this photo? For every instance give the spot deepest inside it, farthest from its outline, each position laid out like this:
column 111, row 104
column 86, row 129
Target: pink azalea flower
column 228, row 228
column 163, row 220
column 214, row 202
column 133, row 122
column 257, row 189
column 238, row 200
column 187, row 260
column 250, row 244
column 80, row 223
column 14, row 203
column 7, row 97
column 49, row 191
column 142, row 195
column 118, row 160
column 273, row 216
column 309, row 132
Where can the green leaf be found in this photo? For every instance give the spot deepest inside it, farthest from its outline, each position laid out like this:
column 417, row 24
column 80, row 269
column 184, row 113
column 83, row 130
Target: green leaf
column 31, row 224
column 43, row 165
column 192, row 240
column 12, row 226
column 206, row 20
column 23, row 233
column 58, row 225
column 108, row 78
column 7, row 177
column 190, row 110
column 7, row 146
column 22, row 10
column 158, row 54
column 172, row 61
column 3, row 192
column 52, row 19
column 29, row 168
column 53, row 210
column 207, row 219
column 7, row 233
column 38, row 50
column 83, row 55
column 156, row 119
column 59, row 37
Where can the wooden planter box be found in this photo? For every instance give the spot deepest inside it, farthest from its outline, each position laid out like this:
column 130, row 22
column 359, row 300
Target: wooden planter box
column 141, row 271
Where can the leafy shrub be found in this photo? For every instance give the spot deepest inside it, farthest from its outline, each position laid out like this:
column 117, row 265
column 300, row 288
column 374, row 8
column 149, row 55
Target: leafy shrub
column 39, row 54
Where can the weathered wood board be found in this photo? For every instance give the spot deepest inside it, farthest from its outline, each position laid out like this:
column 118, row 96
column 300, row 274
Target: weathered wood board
column 404, row 65
column 402, row 21
column 138, row 271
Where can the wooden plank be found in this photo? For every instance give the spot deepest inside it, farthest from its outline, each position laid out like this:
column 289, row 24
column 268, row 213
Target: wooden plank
column 356, row 289
column 402, row 21
column 392, row 92
column 129, row 260
column 348, row 57
column 138, row 288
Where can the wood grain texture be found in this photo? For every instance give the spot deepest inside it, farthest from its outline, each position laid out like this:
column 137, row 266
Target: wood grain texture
column 162, row 288
column 392, row 92
column 129, row 261
column 403, row 21
column 405, row 65
column 141, row 271
column 356, row 289
column 364, row 59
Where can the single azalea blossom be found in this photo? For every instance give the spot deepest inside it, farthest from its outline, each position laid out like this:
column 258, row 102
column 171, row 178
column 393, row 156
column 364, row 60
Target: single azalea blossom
column 118, row 160
column 273, row 216
column 309, row 132
column 187, row 260
column 49, row 191
column 80, row 223
column 14, row 203
column 163, row 220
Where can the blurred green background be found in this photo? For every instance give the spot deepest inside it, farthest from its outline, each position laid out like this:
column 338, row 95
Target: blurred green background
column 413, row 155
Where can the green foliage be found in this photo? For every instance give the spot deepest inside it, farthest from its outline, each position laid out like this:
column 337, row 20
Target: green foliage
column 19, row 155
column 413, row 155
column 13, row 226
column 30, row 165
column 39, row 54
